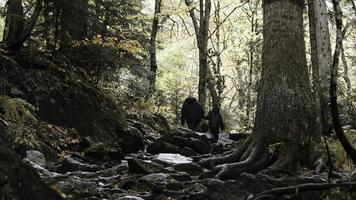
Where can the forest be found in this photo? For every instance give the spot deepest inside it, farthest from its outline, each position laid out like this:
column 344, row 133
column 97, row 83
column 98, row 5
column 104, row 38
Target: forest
column 177, row 99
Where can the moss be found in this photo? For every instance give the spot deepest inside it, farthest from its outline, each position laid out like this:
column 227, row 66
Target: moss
column 19, row 134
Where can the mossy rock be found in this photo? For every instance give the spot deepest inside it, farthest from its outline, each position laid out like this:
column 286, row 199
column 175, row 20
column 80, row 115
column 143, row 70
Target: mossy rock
column 19, row 133
column 65, row 99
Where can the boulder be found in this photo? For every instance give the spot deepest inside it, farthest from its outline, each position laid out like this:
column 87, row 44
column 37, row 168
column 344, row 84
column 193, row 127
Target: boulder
column 36, row 157
column 63, row 97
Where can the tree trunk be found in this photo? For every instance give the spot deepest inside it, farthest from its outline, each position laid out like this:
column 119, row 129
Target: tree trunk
column 284, row 105
column 153, row 60
column 17, row 32
column 321, row 61
column 350, row 150
column 202, row 37
column 15, row 21
column 346, row 72
column 73, row 20
column 284, row 119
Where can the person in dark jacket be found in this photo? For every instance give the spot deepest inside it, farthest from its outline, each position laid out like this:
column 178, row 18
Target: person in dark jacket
column 215, row 122
column 192, row 113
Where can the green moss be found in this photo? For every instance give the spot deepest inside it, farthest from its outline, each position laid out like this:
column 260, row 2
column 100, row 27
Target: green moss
column 20, row 133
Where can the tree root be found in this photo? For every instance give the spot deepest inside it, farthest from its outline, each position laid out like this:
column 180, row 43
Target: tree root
column 210, row 163
column 272, row 194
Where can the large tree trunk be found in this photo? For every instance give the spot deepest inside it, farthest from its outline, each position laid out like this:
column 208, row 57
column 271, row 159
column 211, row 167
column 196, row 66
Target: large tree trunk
column 284, row 105
column 153, row 60
column 73, row 20
column 284, row 119
column 321, row 60
column 14, row 23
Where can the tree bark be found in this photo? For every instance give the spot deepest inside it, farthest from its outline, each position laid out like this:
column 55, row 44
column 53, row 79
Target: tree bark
column 285, row 120
column 73, row 20
column 321, row 61
column 153, row 60
column 202, row 37
column 285, row 105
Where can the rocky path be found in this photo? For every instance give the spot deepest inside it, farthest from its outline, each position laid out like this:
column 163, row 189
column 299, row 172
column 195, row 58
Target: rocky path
column 166, row 170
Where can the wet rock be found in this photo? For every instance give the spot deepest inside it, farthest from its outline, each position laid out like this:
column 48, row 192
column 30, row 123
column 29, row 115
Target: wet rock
column 129, row 198
column 137, row 166
column 171, row 159
column 190, row 168
column 101, row 151
column 36, row 157
column 70, row 164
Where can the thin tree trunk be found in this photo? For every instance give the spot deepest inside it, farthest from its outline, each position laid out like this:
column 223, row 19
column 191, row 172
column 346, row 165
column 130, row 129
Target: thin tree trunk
column 346, row 72
column 202, row 36
column 321, row 60
column 153, row 60
column 350, row 150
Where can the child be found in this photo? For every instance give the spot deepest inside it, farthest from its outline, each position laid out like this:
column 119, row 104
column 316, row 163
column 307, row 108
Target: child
column 215, row 122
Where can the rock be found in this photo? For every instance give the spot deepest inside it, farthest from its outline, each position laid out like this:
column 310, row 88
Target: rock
column 137, row 166
column 171, row 159
column 190, row 168
column 69, row 164
column 131, row 140
column 87, row 142
column 78, row 188
column 181, row 176
column 182, row 141
column 18, row 180
column 153, row 180
column 129, row 198
column 63, row 97
column 115, row 170
column 101, row 150
column 162, row 147
column 36, row 157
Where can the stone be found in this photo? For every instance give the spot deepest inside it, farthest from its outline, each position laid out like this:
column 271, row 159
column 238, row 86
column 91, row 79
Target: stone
column 137, row 166
column 171, row 159
column 36, row 157
column 101, row 150
column 70, row 164
column 190, row 168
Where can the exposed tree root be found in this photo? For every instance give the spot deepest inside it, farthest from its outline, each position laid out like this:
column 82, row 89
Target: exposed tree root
column 210, row 163
column 252, row 157
column 274, row 193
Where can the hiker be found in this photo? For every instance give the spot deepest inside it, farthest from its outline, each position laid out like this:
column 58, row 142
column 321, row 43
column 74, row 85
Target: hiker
column 192, row 113
column 215, row 122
